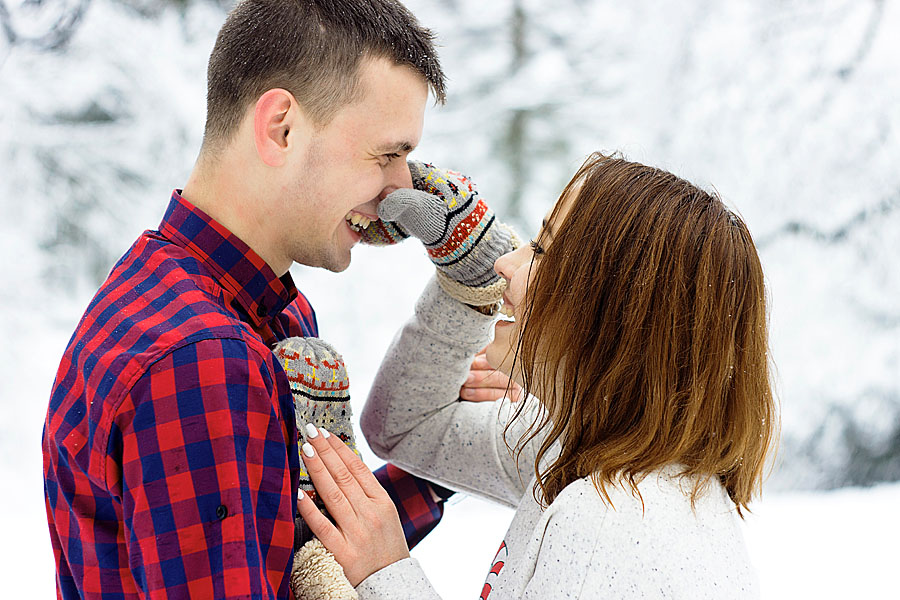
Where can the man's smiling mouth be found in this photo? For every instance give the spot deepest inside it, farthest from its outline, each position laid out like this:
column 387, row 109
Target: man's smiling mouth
column 357, row 221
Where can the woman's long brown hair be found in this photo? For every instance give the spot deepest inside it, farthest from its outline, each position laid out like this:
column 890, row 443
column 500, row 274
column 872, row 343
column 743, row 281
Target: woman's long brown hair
column 645, row 337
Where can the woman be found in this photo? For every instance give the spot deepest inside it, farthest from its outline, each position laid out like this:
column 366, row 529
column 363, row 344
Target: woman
column 640, row 324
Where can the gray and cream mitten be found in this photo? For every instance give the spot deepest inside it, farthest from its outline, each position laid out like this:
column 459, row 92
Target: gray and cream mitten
column 460, row 232
column 321, row 391
column 381, row 233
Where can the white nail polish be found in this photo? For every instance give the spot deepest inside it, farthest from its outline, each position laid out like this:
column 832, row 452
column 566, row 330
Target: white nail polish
column 308, row 450
column 311, row 430
column 325, row 433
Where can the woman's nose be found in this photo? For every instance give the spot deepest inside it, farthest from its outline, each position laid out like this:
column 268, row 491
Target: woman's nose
column 503, row 266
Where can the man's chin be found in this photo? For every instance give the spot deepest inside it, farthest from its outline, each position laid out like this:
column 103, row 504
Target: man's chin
column 339, row 262
column 336, row 266
column 333, row 263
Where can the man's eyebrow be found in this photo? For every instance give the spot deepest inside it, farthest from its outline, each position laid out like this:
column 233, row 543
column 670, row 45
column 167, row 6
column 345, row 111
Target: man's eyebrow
column 394, row 147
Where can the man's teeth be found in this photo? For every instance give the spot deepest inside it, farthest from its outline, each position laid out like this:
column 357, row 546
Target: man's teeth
column 505, row 310
column 357, row 221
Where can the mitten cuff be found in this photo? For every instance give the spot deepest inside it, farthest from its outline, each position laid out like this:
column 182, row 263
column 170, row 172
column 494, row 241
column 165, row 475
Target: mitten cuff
column 316, row 575
column 485, row 295
column 491, row 292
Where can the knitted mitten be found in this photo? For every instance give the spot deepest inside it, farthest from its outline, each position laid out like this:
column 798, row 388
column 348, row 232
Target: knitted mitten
column 382, row 233
column 461, row 234
column 321, row 391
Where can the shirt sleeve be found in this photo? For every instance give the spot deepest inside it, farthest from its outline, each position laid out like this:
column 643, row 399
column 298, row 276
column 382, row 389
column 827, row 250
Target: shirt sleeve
column 206, row 475
column 419, row 511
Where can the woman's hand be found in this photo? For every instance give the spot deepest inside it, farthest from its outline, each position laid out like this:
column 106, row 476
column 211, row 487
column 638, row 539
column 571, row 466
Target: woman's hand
column 486, row 384
column 366, row 535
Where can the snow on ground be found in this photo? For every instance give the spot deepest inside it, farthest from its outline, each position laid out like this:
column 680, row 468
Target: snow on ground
column 823, row 545
column 838, row 544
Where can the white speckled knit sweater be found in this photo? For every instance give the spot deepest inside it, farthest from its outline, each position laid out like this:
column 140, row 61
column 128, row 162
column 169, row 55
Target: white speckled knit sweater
column 578, row 547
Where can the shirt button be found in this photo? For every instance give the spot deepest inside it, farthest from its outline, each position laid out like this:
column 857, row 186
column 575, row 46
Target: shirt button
column 221, row 512
column 261, row 311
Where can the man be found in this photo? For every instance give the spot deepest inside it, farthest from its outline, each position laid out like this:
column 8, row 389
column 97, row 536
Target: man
column 170, row 450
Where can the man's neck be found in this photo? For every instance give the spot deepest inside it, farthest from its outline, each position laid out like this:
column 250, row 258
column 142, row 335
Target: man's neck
column 223, row 188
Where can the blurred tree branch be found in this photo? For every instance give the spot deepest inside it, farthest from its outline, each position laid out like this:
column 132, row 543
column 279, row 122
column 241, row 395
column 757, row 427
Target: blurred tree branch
column 57, row 34
column 868, row 458
column 865, row 45
column 839, row 234
column 515, row 138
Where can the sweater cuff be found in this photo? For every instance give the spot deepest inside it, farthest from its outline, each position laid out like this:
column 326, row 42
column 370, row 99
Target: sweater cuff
column 402, row 579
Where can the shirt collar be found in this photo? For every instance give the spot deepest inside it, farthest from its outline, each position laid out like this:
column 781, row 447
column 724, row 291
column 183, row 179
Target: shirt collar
column 235, row 266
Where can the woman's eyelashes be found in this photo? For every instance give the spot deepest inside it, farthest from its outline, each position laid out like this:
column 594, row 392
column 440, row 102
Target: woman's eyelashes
column 536, row 247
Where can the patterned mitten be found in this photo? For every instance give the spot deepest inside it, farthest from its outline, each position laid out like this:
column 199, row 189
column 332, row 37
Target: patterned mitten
column 321, row 391
column 382, row 233
column 460, row 232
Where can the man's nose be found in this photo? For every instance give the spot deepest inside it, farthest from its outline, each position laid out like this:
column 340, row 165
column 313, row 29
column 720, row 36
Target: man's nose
column 398, row 176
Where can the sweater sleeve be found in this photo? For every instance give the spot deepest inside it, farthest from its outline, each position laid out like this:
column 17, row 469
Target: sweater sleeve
column 401, row 580
column 415, row 419
column 561, row 559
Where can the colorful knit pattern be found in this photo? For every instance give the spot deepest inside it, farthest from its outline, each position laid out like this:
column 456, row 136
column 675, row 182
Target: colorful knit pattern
column 382, row 233
column 463, row 238
column 459, row 230
column 321, row 390
column 452, row 187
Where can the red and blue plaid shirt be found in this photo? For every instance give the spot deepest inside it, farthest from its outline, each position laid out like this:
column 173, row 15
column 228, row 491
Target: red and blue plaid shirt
column 170, row 449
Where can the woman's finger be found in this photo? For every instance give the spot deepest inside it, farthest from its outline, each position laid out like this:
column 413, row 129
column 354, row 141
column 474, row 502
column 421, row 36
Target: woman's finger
column 319, row 524
column 354, row 464
column 338, row 471
column 487, row 394
column 480, row 362
column 478, row 394
column 487, row 378
column 485, row 385
column 334, row 498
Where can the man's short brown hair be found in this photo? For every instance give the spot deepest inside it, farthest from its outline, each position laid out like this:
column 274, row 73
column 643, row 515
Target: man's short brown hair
column 313, row 49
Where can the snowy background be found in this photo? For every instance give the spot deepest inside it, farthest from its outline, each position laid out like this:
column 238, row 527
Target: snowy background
column 791, row 110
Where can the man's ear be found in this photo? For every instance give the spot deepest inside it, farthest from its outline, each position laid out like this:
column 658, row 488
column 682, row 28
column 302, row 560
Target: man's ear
column 273, row 121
